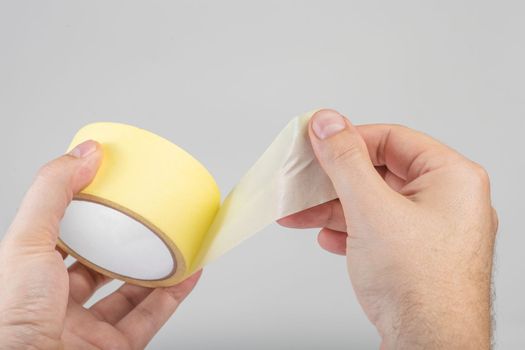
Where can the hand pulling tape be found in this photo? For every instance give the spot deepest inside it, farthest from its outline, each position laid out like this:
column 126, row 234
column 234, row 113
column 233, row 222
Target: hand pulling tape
column 152, row 215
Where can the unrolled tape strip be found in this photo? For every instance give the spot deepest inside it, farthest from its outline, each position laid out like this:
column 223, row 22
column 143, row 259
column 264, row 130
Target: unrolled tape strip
column 152, row 216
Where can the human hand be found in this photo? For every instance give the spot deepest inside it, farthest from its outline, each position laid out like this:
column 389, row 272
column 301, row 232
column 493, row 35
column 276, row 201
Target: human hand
column 415, row 221
column 41, row 301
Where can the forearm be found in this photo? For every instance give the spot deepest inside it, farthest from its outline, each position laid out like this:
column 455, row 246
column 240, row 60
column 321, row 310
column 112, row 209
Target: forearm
column 455, row 319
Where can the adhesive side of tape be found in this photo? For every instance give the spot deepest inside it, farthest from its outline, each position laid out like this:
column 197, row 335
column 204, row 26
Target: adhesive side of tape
column 286, row 179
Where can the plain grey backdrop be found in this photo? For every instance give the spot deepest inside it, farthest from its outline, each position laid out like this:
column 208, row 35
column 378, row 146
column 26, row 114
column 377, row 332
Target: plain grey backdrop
column 221, row 78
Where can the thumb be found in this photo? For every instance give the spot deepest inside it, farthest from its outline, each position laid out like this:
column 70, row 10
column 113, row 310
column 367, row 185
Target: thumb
column 343, row 154
column 37, row 221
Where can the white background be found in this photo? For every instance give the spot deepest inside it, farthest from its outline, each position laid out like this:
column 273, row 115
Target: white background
column 222, row 78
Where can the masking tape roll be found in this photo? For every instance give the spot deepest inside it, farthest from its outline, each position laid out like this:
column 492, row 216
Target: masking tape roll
column 152, row 215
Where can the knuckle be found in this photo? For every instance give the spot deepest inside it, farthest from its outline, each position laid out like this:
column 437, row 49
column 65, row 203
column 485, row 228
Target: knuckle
column 52, row 169
column 470, row 175
column 345, row 154
column 47, row 171
column 478, row 175
column 349, row 148
column 58, row 171
column 398, row 127
column 54, row 176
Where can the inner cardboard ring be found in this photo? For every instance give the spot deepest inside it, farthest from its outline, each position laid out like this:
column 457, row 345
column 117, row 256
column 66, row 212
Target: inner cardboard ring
column 115, row 242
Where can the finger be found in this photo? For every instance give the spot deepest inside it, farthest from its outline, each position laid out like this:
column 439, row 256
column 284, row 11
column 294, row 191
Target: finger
column 144, row 321
column 84, row 282
column 333, row 241
column 329, row 214
column 118, row 304
column 343, row 154
column 61, row 252
column 37, row 221
column 405, row 152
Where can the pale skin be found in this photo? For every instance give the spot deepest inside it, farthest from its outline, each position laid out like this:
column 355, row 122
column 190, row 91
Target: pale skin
column 414, row 219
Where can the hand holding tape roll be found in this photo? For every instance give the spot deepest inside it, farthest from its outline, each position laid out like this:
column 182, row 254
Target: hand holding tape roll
column 152, row 216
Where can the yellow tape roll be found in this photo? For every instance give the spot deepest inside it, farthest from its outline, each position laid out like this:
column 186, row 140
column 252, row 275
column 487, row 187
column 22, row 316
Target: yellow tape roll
column 152, row 215
column 156, row 183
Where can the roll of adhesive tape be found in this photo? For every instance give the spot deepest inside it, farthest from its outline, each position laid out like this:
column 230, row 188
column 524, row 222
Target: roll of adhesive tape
column 152, row 215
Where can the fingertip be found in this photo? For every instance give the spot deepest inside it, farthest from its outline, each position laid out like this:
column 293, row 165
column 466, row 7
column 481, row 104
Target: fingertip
column 189, row 282
column 324, row 113
column 88, row 168
column 85, row 149
column 197, row 275
column 287, row 221
column 62, row 253
column 332, row 241
column 182, row 289
column 326, row 123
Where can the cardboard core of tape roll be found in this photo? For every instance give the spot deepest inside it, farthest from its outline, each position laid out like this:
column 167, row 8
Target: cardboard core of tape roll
column 117, row 243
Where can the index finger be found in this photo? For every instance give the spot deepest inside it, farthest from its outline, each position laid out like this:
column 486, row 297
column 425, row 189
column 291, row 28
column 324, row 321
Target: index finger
column 405, row 152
